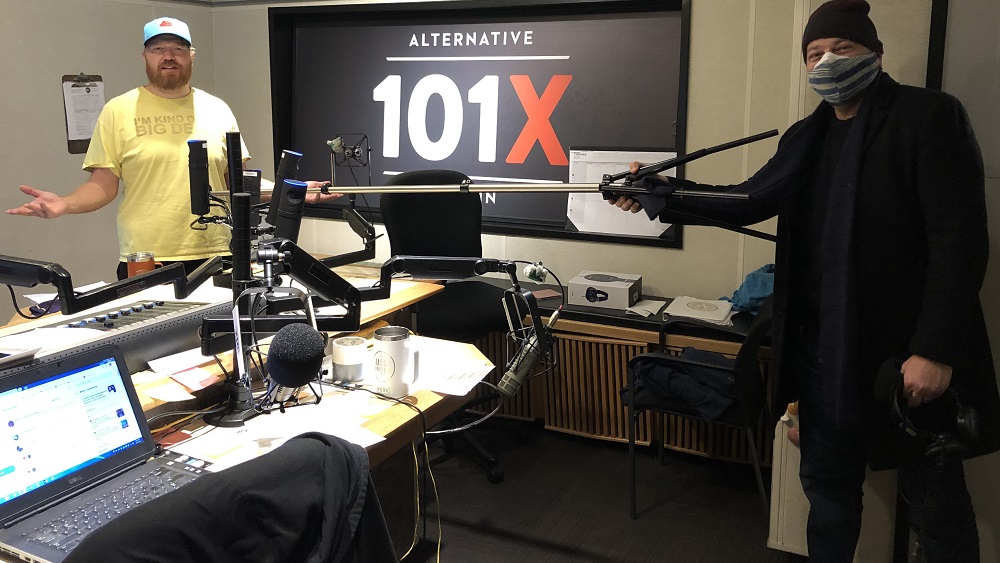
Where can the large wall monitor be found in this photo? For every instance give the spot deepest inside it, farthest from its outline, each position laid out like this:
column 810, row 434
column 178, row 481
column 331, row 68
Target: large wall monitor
column 499, row 91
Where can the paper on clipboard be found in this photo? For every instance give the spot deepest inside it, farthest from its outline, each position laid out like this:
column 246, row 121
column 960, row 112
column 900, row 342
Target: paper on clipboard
column 83, row 102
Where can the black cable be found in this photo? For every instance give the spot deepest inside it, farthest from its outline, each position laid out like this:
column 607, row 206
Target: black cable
column 185, row 413
column 13, row 299
column 225, row 372
column 423, row 421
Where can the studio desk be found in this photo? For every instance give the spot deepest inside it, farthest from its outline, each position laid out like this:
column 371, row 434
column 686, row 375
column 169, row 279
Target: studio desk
column 580, row 395
column 398, row 424
column 391, row 460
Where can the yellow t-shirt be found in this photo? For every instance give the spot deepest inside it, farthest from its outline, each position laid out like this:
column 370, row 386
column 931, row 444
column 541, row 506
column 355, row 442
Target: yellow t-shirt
column 143, row 138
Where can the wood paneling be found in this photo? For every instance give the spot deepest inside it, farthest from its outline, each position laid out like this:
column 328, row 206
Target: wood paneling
column 580, row 393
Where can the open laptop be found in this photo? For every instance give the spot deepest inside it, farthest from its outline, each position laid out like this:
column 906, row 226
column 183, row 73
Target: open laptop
column 75, row 452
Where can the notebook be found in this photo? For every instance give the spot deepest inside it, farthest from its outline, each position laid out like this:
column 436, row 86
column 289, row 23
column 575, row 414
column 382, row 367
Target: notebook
column 73, row 437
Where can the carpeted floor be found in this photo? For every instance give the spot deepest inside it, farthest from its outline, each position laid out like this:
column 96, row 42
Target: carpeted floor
column 565, row 498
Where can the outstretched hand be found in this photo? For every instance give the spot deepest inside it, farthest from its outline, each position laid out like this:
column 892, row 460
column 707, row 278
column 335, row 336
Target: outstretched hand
column 318, row 197
column 46, row 205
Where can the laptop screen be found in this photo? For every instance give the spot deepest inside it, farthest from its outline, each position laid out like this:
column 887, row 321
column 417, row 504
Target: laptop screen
column 67, row 423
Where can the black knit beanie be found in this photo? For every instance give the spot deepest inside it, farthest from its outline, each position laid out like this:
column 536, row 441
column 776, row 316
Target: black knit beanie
column 847, row 19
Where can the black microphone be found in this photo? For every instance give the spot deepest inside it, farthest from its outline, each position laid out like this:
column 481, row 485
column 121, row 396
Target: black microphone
column 295, row 356
column 234, row 152
column 198, row 176
column 251, row 185
column 288, row 169
column 289, row 210
column 531, row 353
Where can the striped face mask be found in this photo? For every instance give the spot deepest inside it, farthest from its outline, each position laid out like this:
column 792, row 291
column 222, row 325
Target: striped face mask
column 838, row 79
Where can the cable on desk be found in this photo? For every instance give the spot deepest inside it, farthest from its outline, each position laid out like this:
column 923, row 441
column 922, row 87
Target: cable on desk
column 423, row 439
column 13, row 299
column 225, row 372
column 185, row 413
column 476, row 422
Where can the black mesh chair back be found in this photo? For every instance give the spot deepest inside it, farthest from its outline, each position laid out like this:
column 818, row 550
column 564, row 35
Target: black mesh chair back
column 432, row 224
column 444, row 224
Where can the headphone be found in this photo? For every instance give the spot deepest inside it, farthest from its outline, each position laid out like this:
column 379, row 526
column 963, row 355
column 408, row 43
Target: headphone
column 947, row 426
column 594, row 295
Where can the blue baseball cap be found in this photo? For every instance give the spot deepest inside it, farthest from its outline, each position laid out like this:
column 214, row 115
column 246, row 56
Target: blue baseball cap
column 161, row 26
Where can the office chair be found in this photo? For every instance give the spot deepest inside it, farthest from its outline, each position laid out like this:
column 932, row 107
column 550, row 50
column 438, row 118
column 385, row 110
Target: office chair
column 447, row 224
column 443, row 224
column 311, row 499
column 648, row 389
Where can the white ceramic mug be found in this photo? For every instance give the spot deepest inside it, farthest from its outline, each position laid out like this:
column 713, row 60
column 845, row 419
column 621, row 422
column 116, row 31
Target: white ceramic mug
column 394, row 362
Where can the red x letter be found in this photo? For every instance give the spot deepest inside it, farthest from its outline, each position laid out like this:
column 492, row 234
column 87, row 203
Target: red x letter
column 538, row 126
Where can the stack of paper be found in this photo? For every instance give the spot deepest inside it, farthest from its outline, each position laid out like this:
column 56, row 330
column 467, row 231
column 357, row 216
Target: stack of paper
column 716, row 311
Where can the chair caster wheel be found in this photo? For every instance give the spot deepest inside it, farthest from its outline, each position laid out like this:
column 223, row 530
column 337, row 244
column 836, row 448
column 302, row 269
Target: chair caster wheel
column 494, row 476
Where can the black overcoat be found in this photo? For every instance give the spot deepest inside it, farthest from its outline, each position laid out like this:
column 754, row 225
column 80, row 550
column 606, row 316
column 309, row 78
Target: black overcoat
column 920, row 247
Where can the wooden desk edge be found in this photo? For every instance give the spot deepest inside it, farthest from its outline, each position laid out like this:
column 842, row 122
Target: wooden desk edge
column 401, row 425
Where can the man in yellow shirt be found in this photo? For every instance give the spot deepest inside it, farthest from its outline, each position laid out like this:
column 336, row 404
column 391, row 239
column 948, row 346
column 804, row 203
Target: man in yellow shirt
column 141, row 139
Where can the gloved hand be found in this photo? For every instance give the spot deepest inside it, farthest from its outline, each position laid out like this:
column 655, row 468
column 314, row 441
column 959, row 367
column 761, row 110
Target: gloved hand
column 658, row 186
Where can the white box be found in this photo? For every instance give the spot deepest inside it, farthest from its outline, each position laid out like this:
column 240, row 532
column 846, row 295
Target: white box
column 609, row 290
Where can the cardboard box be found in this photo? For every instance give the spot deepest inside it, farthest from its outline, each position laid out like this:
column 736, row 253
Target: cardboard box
column 609, row 290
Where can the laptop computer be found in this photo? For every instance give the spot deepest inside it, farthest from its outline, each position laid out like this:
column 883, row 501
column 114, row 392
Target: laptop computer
column 75, row 452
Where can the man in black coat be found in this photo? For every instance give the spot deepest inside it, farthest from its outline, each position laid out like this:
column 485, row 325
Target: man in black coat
column 881, row 254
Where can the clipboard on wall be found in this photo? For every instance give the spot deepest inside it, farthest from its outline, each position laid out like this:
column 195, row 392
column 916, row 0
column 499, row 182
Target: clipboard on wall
column 83, row 99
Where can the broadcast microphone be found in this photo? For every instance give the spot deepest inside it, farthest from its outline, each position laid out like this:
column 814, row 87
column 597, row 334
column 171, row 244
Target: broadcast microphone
column 295, row 356
column 288, row 169
column 289, row 210
column 198, row 176
column 535, row 348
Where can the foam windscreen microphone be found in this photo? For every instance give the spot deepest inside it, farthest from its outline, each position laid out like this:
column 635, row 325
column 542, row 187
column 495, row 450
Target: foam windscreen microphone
column 198, row 176
column 288, row 169
column 295, row 356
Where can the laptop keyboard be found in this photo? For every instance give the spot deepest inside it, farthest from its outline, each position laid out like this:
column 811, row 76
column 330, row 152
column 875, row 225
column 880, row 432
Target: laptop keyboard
column 67, row 531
